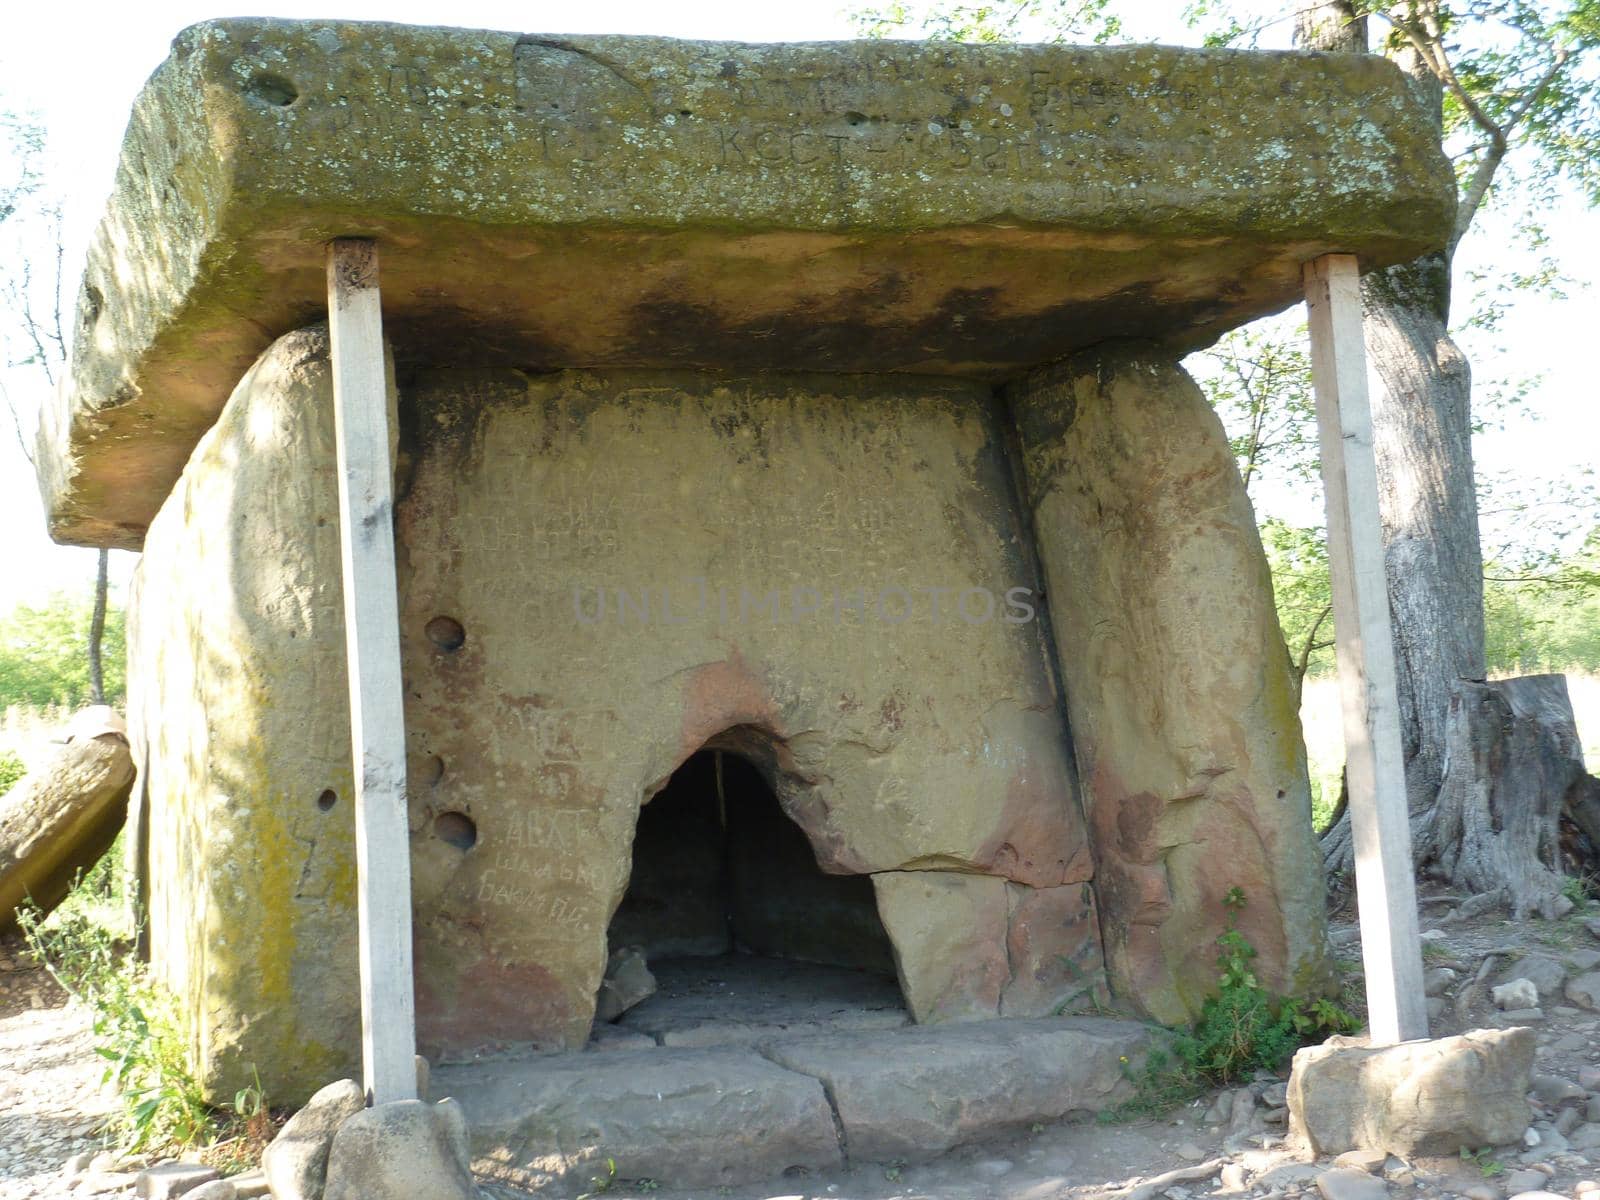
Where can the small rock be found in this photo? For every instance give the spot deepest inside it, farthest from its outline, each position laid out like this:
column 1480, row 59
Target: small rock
column 1432, row 935
column 400, row 1151
column 1523, row 1015
column 1589, row 1078
column 167, row 1180
column 1584, row 1186
column 1561, row 906
column 1189, row 1152
column 296, row 1163
column 1436, row 1006
column 1584, row 1138
column 627, row 982
column 1275, row 1095
column 1593, row 926
column 1567, row 1120
column 1480, row 1191
column 1232, row 1177
column 1584, row 991
column 217, row 1189
column 1220, row 1110
column 1436, row 981
column 250, row 1185
column 1591, row 1111
column 1545, row 973
column 1583, row 960
column 1344, row 1183
column 1536, row 1195
column 1531, row 1138
column 1515, row 994
column 1553, row 1090
column 1362, row 1160
column 1276, row 1116
column 1522, row 1181
column 76, row 1165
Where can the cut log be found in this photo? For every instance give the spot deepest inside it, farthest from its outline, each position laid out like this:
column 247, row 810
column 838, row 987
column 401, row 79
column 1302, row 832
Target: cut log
column 1512, row 764
column 59, row 819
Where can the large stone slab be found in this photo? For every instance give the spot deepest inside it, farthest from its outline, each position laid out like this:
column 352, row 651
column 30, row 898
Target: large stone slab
column 1423, row 1097
column 239, row 719
column 896, row 206
column 1184, row 712
column 915, row 1093
column 688, row 1118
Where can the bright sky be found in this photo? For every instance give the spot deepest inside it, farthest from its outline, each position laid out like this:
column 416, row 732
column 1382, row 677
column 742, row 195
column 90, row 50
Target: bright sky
column 79, row 66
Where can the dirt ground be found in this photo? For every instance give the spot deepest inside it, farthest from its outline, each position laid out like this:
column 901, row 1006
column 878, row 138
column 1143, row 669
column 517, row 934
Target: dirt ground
column 51, row 1105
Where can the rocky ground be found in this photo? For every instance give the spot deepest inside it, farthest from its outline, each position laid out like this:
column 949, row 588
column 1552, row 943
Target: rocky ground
column 1228, row 1144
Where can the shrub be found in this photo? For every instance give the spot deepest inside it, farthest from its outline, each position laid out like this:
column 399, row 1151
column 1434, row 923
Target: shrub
column 12, row 769
column 1240, row 1030
column 136, row 1028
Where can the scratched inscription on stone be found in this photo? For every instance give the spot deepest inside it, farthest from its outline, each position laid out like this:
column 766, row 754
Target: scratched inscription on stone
column 565, row 109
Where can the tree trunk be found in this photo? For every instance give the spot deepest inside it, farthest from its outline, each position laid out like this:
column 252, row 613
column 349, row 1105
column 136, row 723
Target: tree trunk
column 1512, row 764
column 1422, row 439
column 97, row 629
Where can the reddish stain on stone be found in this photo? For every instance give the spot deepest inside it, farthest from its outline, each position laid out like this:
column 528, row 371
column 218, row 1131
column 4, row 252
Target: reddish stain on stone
column 492, row 1004
column 1038, row 838
column 719, row 696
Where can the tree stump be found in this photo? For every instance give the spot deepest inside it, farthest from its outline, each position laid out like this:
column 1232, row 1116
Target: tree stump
column 1513, row 764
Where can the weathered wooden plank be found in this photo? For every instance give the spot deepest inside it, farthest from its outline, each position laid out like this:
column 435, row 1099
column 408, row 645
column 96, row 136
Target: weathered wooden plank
column 372, row 640
column 1375, row 769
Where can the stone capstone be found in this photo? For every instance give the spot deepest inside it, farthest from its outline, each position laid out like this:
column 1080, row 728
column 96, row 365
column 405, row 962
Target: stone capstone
column 914, row 207
column 1424, row 1097
column 296, row 1162
column 62, row 816
column 404, row 1150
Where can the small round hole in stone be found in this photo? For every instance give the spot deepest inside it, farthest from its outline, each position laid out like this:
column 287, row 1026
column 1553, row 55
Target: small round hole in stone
column 457, row 829
column 447, row 634
column 328, row 799
column 272, row 90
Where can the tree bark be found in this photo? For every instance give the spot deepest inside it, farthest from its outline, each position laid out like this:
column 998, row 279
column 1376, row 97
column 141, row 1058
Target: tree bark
column 1422, row 439
column 97, row 630
column 1513, row 762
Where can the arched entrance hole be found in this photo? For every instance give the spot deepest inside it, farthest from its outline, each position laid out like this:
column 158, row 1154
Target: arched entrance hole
column 725, row 886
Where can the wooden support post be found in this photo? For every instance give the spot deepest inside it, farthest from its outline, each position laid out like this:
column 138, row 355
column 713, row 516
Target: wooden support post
column 1391, row 951
column 372, row 651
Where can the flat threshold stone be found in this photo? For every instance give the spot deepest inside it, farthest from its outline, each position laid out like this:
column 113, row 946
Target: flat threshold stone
column 546, row 202
column 724, row 1116
column 694, row 1118
column 915, row 1093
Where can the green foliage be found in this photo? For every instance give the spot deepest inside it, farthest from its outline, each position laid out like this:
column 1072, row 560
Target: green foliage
column 1241, row 1029
column 136, row 1027
column 44, row 657
column 1483, row 1158
column 1018, row 21
column 1258, row 378
column 12, row 769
